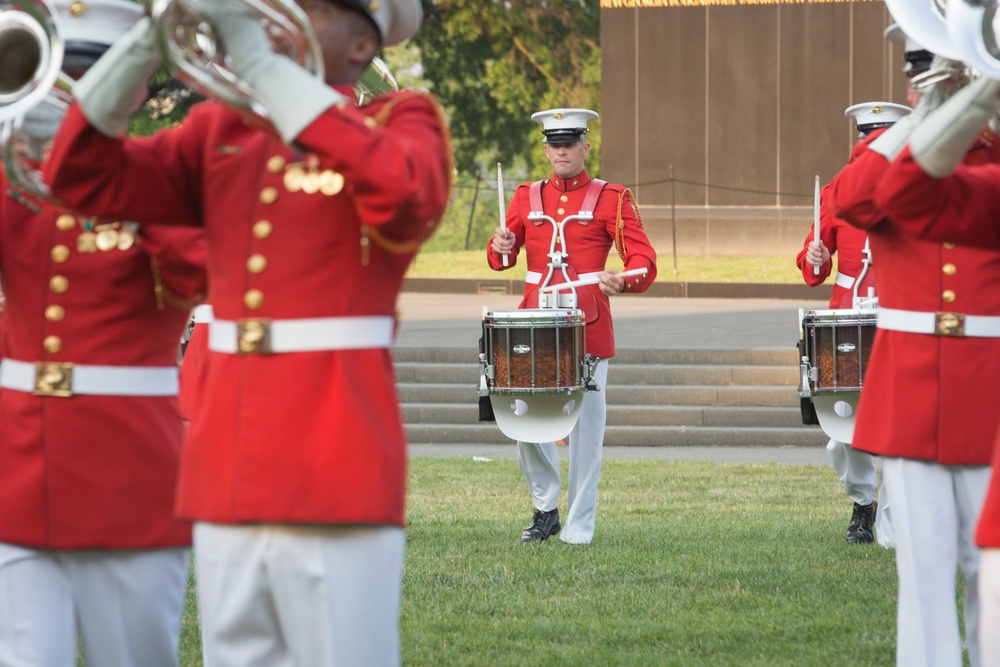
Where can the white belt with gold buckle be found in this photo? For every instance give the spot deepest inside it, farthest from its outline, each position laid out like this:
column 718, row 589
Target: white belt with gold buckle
column 264, row 336
column 63, row 379
column 941, row 323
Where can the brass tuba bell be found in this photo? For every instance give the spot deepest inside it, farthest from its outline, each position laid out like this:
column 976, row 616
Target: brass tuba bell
column 972, row 26
column 194, row 56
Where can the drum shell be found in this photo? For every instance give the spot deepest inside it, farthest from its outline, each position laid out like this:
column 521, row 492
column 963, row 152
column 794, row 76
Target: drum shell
column 838, row 346
column 538, row 350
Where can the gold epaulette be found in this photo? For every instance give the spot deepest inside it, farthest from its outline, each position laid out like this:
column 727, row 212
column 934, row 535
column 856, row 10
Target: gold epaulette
column 370, row 234
column 620, row 222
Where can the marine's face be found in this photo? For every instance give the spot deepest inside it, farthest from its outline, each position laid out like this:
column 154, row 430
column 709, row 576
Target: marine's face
column 348, row 40
column 567, row 159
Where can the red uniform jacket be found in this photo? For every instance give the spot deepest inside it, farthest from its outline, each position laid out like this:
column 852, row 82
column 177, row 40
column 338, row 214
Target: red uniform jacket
column 616, row 222
column 848, row 242
column 923, row 393
column 962, row 208
column 87, row 471
column 301, row 437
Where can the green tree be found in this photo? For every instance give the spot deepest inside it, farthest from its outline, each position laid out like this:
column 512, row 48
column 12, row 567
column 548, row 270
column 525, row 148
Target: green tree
column 492, row 63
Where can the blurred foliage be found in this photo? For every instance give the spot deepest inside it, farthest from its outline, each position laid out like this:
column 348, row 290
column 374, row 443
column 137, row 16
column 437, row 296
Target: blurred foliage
column 167, row 102
column 492, row 63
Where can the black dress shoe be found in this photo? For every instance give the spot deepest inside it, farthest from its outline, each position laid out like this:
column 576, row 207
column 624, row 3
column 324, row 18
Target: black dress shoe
column 543, row 526
column 860, row 530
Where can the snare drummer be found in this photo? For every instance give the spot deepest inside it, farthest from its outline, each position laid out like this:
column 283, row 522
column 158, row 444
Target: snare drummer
column 922, row 408
column 857, row 469
column 616, row 223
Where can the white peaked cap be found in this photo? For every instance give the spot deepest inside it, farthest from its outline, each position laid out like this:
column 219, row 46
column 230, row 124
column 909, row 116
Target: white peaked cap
column 564, row 125
column 878, row 114
column 96, row 21
column 397, row 20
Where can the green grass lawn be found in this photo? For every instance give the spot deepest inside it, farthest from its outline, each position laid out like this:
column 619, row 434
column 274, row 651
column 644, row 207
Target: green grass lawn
column 692, row 564
column 472, row 264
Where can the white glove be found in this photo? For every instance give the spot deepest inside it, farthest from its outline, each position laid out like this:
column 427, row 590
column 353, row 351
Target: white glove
column 891, row 142
column 942, row 139
column 112, row 89
column 293, row 97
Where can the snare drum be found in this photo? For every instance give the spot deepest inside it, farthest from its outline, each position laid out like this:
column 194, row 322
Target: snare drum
column 838, row 344
column 534, row 351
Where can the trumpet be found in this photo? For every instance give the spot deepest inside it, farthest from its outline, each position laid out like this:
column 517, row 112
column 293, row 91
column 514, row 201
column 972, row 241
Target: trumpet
column 194, row 56
column 31, row 48
column 963, row 31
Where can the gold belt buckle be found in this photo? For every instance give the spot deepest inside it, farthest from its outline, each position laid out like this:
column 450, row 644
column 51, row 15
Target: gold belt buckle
column 53, row 379
column 254, row 336
column 949, row 324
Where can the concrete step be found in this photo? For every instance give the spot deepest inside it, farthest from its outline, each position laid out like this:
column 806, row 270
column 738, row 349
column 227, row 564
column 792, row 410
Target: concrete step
column 782, row 396
column 656, row 397
column 628, row 415
column 621, row 374
column 694, row 356
column 634, row 436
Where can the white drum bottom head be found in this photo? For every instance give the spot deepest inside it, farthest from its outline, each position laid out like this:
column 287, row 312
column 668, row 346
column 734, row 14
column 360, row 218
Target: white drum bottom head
column 836, row 414
column 537, row 418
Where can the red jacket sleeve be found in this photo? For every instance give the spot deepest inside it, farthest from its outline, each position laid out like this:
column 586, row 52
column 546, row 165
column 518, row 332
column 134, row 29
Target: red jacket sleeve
column 963, row 208
column 400, row 162
column 517, row 213
column 631, row 242
column 828, row 236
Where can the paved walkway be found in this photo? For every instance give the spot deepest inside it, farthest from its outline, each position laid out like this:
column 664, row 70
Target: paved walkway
column 445, row 320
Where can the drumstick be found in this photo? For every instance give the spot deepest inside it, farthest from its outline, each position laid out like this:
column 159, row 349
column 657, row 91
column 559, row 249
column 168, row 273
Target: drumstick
column 503, row 208
column 816, row 221
column 593, row 280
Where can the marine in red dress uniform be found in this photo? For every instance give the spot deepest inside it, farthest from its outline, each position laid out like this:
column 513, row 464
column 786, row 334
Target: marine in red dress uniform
column 932, row 196
column 856, row 469
column 616, row 223
column 302, row 444
column 921, row 408
column 91, row 433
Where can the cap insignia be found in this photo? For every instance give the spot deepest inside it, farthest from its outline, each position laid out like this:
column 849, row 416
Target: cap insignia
column 558, row 116
column 876, row 109
column 78, row 8
column 373, row 6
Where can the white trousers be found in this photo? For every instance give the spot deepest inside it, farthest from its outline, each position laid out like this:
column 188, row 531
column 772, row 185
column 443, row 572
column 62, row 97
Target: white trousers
column 540, row 464
column 125, row 606
column 989, row 607
column 280, row 595
column 935, row 511
column 858, row 472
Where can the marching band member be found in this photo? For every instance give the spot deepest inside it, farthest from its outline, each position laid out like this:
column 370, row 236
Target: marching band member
column 921, row 409
column 616, row 222
column 931, row 194
column 856, row 469
column 295, row 474
column 91, row 436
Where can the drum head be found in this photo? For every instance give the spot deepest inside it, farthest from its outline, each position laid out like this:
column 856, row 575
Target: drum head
column 836, row 414
column 537, row 418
